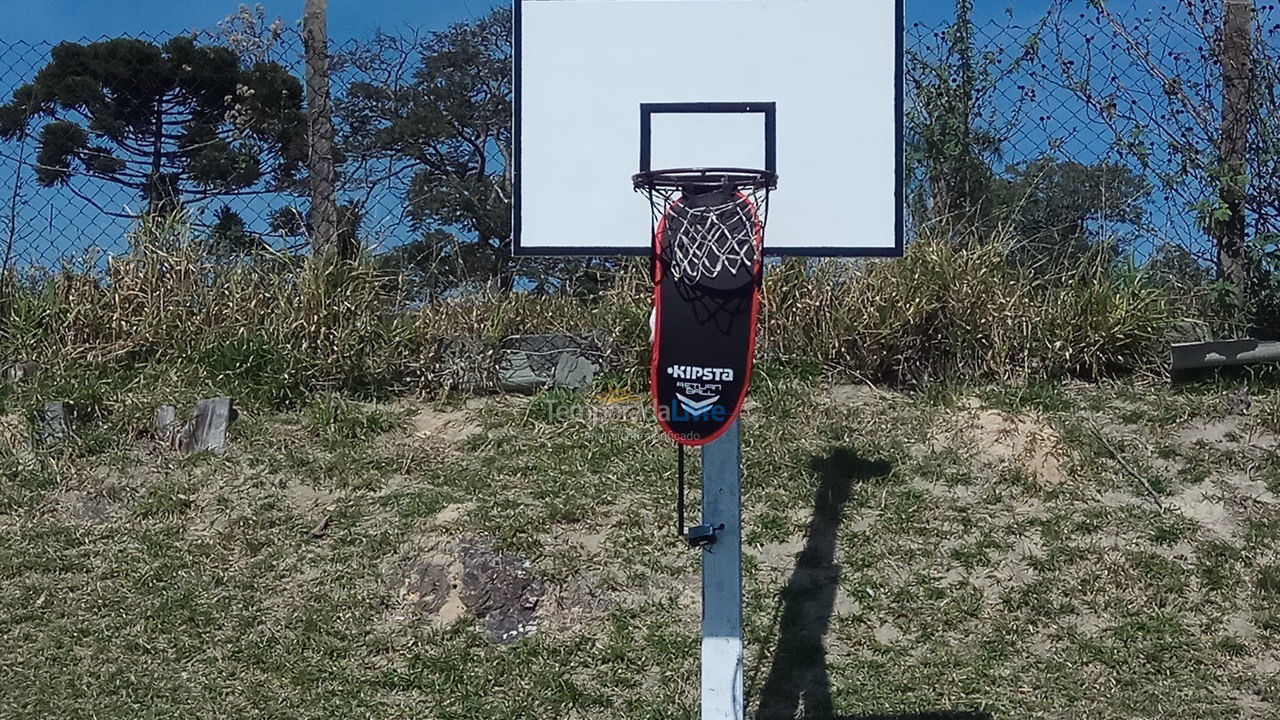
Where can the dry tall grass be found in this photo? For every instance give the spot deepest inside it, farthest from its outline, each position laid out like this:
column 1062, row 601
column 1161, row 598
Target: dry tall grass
column 277, row 329
column 966, row 311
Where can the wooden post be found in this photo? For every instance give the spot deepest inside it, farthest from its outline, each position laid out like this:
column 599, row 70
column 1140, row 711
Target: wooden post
column 322, row 178
column 208, row 428
column 165, row 421
column 1237, row 74
column 52, row 426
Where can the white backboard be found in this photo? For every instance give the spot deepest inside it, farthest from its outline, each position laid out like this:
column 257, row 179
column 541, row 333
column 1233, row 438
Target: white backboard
column 810, row 86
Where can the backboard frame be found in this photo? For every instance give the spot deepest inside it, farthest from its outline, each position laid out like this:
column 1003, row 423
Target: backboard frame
column 768, row 111
column 642, row 250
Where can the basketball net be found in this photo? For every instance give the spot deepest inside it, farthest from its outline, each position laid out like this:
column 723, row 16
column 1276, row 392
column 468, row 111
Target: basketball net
column 710, row 238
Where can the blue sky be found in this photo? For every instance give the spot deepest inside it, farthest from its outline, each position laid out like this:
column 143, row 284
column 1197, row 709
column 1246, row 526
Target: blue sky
column 54, row 20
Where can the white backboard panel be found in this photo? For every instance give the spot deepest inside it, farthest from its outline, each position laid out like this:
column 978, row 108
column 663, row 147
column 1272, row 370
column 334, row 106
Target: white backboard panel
column 707, row 140
column 828, row 70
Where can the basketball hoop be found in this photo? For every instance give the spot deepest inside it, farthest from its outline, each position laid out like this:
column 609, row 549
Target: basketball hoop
column 714, row 177
column 577, row 130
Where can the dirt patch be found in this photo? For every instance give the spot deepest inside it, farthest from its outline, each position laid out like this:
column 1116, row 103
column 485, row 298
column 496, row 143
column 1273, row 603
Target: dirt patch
column 887, row 634
column 778, row 558
column 1208, row 510
column 1003, row 439
column 1230, row 433
column 442, row 582
column 1267, row 664
column 92, row 508
column 1248, row 490
column 588, row 543
column 1253, row 705
column 1090, row 623
column 444, row 427
column 427, row 587
column 450, row 514
column 500, row 590
column 308, row 500
column 1240, row 626
column 425, row 584
column 1119, row 499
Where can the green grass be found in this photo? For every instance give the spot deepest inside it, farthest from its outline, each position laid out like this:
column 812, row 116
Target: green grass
column 897, row 561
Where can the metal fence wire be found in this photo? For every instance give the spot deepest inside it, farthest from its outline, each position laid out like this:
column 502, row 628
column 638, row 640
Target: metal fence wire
column 99, row 134
column 1098, row 124
column 1089, row 127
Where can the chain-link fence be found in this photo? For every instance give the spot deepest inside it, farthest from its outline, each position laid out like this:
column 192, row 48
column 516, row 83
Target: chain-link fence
column 98, row 135
column 1097, row 124
column 1086, row 127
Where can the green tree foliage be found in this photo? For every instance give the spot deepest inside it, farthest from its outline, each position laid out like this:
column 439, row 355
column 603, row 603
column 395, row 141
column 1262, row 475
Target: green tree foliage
column 1196, row 109
column 449, row 129
column 1062, row 209
column 292, row 222
column 1178, row 266
column 176, row 122
column 953, row 133
column 959, row 121
column 1263, row 255
column 449, row 132
column 230, row 237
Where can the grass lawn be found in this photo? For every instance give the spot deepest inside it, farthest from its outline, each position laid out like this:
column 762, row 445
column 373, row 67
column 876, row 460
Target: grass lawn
column 1044, row 552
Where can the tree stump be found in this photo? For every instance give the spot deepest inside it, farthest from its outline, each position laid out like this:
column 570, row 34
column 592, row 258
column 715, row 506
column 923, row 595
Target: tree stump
column 207, row 430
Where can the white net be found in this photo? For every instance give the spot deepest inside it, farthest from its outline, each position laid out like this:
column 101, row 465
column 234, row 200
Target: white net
column 710, row 238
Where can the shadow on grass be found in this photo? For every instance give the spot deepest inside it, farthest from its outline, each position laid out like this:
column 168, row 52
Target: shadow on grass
column 797, row 684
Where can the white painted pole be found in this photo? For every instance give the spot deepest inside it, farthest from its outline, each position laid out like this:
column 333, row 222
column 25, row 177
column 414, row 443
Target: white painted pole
column 722, row 579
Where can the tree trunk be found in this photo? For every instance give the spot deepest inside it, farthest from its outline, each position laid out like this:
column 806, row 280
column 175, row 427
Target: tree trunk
column 320, row 139
column 504, row 273
column 1237, row 70
column 157, row 204
column 14, row 198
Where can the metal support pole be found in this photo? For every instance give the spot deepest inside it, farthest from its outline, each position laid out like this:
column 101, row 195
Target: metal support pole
column 722, row 579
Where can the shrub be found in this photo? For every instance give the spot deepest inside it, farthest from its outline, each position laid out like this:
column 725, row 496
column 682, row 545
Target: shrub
column 275, row 330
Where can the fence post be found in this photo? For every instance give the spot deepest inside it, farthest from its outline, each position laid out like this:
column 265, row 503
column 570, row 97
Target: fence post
column 1237, row 71
column 320, row 137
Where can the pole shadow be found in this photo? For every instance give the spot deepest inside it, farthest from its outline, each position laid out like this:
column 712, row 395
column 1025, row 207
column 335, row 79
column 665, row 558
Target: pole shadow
column 798, row 684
